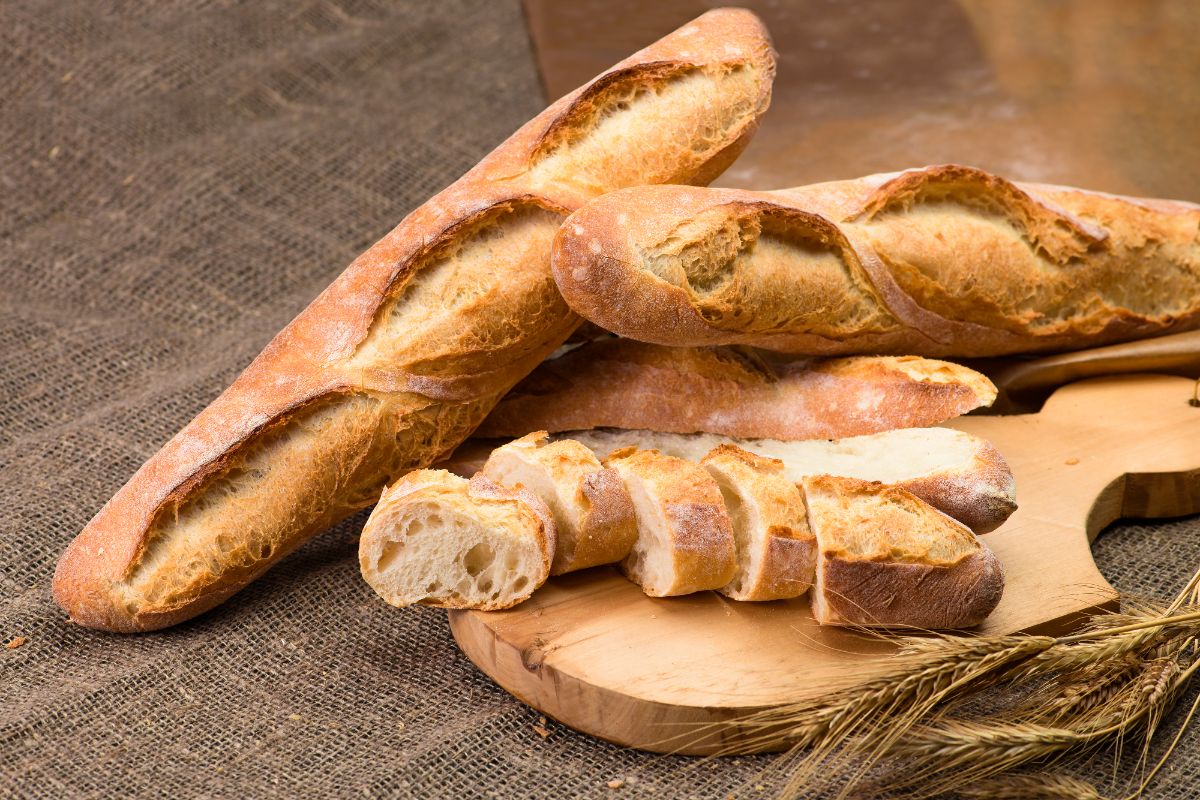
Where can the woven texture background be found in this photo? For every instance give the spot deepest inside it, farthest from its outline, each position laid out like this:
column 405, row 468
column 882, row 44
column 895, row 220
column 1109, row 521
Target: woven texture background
column 177, row 180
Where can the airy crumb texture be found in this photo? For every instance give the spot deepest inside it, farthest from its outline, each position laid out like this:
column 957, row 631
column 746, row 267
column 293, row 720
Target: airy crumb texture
column 887, row 559
column 776, row 551
column 685, row 540
column 440, row 540
column 592, row 511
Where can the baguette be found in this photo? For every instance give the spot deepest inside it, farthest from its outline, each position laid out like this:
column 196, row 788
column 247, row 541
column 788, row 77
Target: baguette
column 406, row 352
column 938, row 261
column 440, row 540
column 685, row 539
column 621, row 383
column 958, row 474
column 886, row 559
column 776, row 550
column 592, row 512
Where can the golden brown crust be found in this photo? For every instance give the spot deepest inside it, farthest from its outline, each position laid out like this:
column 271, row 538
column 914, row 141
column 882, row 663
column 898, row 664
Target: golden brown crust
column 887, row 559
column 733, row 391
column 776, row 550
column 609, row 526
column 696, row 527
column 391, row 395
column 938, row 261
column 593, row 513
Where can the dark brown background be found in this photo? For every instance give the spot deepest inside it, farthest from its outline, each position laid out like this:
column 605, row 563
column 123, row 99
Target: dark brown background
column 178, row 179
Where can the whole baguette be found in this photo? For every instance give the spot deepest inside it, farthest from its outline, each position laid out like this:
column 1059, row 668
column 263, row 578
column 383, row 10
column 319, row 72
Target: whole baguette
column 938, row 261
column 961, row 475
column 406, row 352
column 620, row 383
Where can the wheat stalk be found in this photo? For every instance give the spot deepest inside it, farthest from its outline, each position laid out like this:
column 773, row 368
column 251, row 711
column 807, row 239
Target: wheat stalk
column 920, row 724
column 1032, row 787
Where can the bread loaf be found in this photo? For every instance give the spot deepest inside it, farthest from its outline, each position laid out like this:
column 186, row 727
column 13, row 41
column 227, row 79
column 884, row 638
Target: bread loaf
column 887, row 559
column 593, row 515
column 939, row 261
column 776, row 550
column 437, row 539
column 406, row 352
column 620, row 383
column 958, row 474
column 685, row 540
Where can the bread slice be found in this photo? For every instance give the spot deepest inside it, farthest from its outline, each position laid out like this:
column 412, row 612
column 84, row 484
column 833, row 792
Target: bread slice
column 888, row 559
column 685, row 539
column 592, row 512
column 440, row 540
column 957, row 473
column 776, row 551
column 734, row 391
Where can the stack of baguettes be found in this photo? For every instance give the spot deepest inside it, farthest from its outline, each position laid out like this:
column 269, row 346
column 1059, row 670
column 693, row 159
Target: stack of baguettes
column 408, row 351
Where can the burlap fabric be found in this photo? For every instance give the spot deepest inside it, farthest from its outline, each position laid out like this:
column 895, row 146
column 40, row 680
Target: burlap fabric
column 177, row 180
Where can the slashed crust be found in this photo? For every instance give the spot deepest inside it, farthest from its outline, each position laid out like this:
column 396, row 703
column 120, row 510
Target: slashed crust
column 387, row 404
column 938, row 261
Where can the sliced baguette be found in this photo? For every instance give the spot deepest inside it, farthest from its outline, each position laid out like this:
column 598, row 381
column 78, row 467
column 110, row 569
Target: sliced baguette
column 957, row 473
column 685, row 539
column 734, row 391
column 592, row 512
column 887, row 559
column 776, row 550
column 440, row 540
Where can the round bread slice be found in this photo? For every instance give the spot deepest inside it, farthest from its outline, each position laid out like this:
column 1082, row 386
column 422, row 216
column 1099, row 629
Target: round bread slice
column 776, row 551
column 685, row 539
column 888, row 559
column 440, row 540
column 593, row 514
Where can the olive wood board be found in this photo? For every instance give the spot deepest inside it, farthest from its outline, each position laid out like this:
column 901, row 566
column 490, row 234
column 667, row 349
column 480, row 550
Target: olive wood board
column 590, row 650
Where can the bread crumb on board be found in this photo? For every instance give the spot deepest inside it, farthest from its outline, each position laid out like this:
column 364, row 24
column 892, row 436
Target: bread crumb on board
column 15, row 642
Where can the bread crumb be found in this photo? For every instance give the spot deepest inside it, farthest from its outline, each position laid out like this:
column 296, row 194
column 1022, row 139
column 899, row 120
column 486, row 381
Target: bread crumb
column 54, row 151
column 67, row 76
column 1070, row 462
column 294, row 717
column 399, row 726
column 540, row 731
column 615, row 783
column 16, row 642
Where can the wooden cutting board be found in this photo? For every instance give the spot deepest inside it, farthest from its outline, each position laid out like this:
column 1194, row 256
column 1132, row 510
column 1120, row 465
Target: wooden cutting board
column 590, row 650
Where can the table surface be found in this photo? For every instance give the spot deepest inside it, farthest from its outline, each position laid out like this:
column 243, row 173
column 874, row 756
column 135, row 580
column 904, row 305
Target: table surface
column 1101, row 94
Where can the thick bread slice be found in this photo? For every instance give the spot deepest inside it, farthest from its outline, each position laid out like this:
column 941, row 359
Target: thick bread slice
column 957, row 473
column 776, row 551
column 685, row 540
column 887, row 559
column 937, row 261
column 406, row 352
column 621, row 383
column 591, row 507
column 440, row 540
